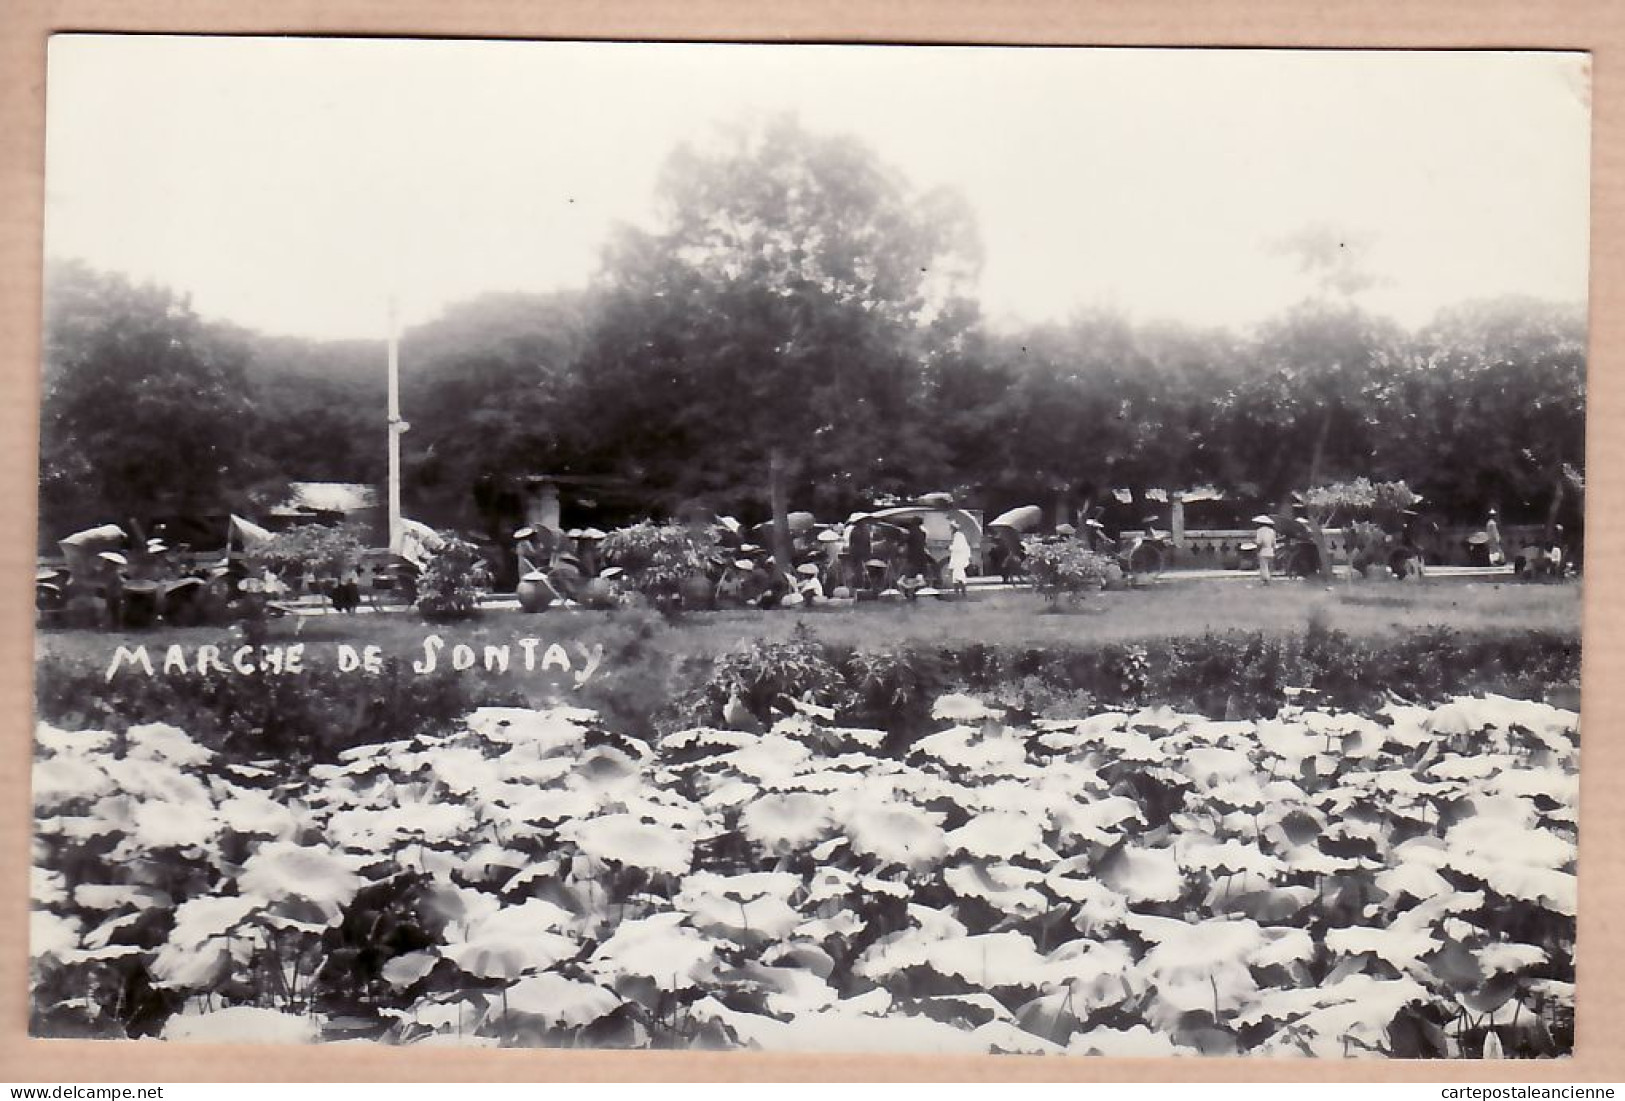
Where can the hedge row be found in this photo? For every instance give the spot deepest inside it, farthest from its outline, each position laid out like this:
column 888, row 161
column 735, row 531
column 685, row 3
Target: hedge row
column 1227, row 675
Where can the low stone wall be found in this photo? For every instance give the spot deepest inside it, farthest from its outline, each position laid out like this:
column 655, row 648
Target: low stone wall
column 1220, row 549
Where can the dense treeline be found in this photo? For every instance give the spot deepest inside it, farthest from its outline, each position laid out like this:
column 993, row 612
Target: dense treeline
column 800, row 331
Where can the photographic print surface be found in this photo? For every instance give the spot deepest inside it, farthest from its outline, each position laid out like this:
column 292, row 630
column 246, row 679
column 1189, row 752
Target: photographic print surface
column 881, row 549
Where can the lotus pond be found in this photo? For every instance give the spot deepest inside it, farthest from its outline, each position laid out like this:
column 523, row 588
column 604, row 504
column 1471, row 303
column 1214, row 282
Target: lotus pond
column 1129, row 882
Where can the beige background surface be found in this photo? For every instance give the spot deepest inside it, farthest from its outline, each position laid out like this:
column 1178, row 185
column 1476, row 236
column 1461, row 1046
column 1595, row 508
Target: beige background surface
column 1598, row 27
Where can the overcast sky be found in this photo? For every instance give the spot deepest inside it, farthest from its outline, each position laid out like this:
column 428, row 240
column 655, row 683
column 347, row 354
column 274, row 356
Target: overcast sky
column 292, row 185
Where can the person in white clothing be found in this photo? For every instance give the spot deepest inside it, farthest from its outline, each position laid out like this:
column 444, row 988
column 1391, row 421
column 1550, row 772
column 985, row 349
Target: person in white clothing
column 1266, row 546
column 1492, row 533
column 959, row 561
column 810, row 586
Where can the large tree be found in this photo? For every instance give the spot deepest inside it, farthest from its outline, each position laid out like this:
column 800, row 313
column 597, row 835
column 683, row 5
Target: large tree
column 485, row 387
column 1305, row 413
column 1100, row 403
column 1490, row 408
column 770, row 333
column 144, row 409
column 1067, row 425
column 319, row 407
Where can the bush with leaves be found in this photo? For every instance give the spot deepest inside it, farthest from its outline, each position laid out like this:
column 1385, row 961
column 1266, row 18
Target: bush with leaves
column 452, row 581
column 763, row 676
column 1066, row 567
column 1035, row 697
column 643, row 688
column 660, row 559
column 322, row 552
column 1369, row 545
column 1383, row 503
column 891, row 687
column 1128, row 669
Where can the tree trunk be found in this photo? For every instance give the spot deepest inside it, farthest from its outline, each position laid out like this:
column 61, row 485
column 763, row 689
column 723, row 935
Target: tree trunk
column 1320, row 448
column 1323, row 552
column 1555, row 510
column 778, row 499
column 1317, row 533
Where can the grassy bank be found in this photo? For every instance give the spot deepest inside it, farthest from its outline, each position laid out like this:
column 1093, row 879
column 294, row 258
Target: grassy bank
column 1222, row 650
column 1000, row 618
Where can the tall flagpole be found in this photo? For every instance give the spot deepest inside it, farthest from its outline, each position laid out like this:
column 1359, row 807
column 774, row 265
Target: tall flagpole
column 396, row 427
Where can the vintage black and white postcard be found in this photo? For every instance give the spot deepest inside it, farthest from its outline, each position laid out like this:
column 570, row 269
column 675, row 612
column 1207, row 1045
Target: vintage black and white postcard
column 811, row 548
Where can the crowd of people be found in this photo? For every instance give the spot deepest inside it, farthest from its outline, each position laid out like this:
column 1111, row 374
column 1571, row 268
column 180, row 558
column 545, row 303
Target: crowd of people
column 896, row 557
column 864, row 558
column 1290, row 542
column 893, row 555
column 125, row 580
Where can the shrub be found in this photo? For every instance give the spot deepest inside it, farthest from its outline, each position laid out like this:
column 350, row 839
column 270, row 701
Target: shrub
column 1230, row 674
column 658, row 559
column 762, row 674
column 1040, row 698
column 893, row 690
column 1368, row 545
column 1127, row 671
column 1066, row 567
column 648, row 689
column 450, row 585
column 322, row 551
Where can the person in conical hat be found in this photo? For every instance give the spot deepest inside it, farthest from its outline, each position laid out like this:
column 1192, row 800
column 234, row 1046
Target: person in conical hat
column 1492, row 533
column 529, row 551
column 810, row 587
column 112, row 565
column 1265, row 539
column 1094, row 535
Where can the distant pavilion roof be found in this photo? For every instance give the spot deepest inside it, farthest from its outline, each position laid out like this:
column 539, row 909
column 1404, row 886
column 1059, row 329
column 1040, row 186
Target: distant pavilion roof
column 305, row 498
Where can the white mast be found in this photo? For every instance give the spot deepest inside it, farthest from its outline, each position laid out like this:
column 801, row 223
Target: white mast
column 396, row 427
